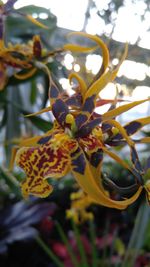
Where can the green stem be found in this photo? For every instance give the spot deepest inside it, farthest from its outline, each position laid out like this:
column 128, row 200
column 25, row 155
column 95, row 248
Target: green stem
column 93, row 244
column 49, row 252
column 106, row 231
column 64, row 239
column 84, row 262
column 137, row 237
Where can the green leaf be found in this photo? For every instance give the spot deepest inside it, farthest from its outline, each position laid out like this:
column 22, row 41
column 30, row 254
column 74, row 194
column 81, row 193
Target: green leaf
column 13, row 127
column 40, row 123
column 26, row 28
column 138, row 235
column 2, row 97
column 33, row 93
column 4, row 119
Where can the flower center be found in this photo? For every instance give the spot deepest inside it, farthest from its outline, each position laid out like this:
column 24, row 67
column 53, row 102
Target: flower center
column 73, row 128
column 59, row 141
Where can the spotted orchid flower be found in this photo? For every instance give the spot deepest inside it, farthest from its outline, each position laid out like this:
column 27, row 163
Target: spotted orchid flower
column 19, row 56
column 80, row 138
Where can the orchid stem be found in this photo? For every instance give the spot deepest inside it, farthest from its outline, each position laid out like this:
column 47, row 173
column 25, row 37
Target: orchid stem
column 69, row 248
column 84, row 262
column 49, row 252
column 93, row 244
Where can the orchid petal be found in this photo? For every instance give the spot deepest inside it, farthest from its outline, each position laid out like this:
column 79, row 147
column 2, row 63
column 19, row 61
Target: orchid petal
column 104, row 79
column 124, row 55
column 117, row 158
column 74, row 100
column 79, row 48
column 29, row 142
column 86, row 129
column 25, row 75
column 12, row 158
column 79, row 203
column 136, row 125
column 99, row 84
column 60, row 111
column 39, row 112
column 100, row 102
column 41, row 162
column 2, row 44
column 81, row 82
column 117, row 111
column 101, row 44
column 81, row 171
column 144, row 140
column 3, row 77
column 86, row 111
column 9, row 5
column 134, row 156
column 121, row 130
column 92, row 147
column 34, row 21
column 38, row 187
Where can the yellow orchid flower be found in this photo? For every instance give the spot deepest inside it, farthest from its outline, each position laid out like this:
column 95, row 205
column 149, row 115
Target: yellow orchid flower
column 79, row 203
column 80, row 139
column 19, row 56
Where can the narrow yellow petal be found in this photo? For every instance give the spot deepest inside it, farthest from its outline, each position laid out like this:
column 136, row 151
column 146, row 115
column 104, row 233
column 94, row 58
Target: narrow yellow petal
column 81, row 82
column 117, row 111
column 144, row 121
column 115, row 71
column 105, row 78
column 2, row 46
column 3, row 76
column 116, row 158
column 12, row 158
column 99, row 84
column 32, row 141
column 34, row 21
column 25, row 75
column 39, row 112
column 144, row 140
column 101, row 44
column 79, row 48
